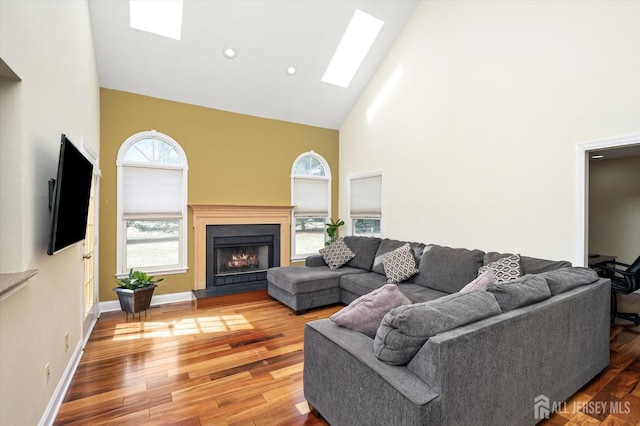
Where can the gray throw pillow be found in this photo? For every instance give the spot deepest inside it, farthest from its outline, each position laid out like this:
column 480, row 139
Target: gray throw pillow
column 365, row 313
column 405, row 329
column 524, row 291
column 566, row 279
column 448, row 269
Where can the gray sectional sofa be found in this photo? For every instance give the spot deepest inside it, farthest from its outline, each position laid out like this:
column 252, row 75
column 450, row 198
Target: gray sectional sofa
column 452, row 358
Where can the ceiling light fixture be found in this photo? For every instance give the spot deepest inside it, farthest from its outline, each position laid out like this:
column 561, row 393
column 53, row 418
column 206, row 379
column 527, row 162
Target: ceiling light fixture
column 157, row 17
column 229, row 52
column 291, row 70
column 597, row 156
column 354, row 46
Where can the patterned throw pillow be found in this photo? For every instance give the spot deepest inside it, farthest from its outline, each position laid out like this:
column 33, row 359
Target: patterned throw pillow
column 505, row 269
column 399, row 264
column 337, row 254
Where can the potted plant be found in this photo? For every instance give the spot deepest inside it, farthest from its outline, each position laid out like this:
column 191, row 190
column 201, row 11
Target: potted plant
column 332, row 230
column 135, row 291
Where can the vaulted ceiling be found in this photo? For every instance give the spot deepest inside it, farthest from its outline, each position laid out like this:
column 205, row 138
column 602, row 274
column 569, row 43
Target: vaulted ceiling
column 268, row 35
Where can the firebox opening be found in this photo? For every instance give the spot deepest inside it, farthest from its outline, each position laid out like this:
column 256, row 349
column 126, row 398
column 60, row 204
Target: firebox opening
column 238, row 257
column 242, row 259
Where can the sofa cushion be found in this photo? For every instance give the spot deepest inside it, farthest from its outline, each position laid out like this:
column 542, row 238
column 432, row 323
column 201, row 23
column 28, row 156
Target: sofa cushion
column 504, row 269
column 365, row 313
column 448, row 269
column 301, row 279
column 337, row 254
column 529, row 265
column 566, row 279
column 418, row 294
column 405, row 329
column 365, row 249
column 387, row 245
column 314, row 260
column 399, row 265
column 360, row 284
column 483, row 281
column 524, row 291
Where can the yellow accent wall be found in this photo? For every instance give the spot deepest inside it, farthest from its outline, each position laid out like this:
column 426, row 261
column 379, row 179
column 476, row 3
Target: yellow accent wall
column 233, row 159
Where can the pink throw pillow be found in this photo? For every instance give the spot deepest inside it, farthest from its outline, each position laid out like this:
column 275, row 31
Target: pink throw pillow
column 483, row 281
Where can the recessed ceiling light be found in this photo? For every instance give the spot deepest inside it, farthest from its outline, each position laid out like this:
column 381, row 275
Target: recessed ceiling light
column 291, row 70
column 354, row 46
column 597, row 156
column 158, row 17
column 229, row 52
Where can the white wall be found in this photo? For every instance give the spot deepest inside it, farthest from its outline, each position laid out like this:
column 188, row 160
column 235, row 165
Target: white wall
column 614, row 208
column 49, row 45
column 477, row 139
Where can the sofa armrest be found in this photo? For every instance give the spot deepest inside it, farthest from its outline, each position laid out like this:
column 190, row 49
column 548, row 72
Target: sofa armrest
column 314, row 260
column 348, row 385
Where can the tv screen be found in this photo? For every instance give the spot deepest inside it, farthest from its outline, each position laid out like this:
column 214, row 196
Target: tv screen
column 70, row 198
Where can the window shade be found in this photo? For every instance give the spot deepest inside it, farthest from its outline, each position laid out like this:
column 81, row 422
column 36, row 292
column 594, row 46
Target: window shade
column 366, row 196
column 152, row 190
column 311, row 197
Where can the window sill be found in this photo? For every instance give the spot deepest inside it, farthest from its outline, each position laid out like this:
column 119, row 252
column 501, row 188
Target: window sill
column 13, row 282
column 155, row 272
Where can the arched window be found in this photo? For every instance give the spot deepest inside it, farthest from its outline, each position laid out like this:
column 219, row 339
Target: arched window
column 311, row 196
column 152, row 204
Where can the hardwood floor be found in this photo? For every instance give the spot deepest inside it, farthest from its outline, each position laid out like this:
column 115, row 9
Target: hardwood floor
column 241, row 364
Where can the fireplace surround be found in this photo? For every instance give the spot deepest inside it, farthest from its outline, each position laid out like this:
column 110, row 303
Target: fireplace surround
column 207, row 215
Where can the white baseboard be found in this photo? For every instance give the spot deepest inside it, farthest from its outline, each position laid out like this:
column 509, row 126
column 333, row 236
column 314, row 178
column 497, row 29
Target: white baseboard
column 114, row 305
column 55, row 402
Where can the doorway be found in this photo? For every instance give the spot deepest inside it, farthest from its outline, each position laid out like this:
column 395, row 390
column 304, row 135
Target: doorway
column 618, row 148
column 89, row 289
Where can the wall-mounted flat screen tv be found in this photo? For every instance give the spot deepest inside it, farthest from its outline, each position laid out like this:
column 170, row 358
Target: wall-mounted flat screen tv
column 69, row 198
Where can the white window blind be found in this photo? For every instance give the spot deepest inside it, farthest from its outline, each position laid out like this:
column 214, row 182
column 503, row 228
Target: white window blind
column 366, row 196
column 311, row 197
column 152, row 190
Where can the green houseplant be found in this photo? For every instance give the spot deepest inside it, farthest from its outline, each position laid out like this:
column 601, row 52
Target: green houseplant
column 135, row 291
column 332, row 230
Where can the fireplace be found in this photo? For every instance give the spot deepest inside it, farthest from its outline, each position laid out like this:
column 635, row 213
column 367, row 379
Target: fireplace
column 211, row 287
column 238, row 257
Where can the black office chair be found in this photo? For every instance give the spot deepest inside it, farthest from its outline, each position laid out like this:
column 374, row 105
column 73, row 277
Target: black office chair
column 624, row 279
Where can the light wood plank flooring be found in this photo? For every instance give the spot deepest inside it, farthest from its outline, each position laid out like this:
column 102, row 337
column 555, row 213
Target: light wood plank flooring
column 241, row 364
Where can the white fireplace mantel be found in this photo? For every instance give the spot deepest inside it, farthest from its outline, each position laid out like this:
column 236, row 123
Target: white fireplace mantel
column 208, row 214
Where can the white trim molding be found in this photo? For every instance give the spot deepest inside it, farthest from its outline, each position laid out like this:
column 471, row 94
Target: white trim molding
column 582, row 190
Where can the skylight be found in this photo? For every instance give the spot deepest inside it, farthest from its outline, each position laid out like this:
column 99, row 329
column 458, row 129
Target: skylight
column 161, row 17
column 354, row 46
